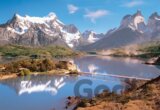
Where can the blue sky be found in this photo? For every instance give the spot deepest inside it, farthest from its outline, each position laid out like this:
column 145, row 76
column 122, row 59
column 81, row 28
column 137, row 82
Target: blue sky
column 97, row 15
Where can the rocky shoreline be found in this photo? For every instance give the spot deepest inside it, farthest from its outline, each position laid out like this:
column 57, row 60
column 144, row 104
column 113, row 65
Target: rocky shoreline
column 145, row 96
column 153, row 61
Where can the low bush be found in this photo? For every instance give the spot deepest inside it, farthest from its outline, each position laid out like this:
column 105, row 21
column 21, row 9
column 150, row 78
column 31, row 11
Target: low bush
column 34, row 65
column 47, row 51
column 24, row 72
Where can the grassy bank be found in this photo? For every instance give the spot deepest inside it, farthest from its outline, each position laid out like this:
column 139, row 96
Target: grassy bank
column 51, row 51
column 145, row 50
column 149, row 49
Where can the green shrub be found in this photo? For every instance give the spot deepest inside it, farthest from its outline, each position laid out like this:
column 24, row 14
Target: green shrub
column 34, row 65
column 48, row 51
column 25, row 72
column 47, row 65
column 12, row 67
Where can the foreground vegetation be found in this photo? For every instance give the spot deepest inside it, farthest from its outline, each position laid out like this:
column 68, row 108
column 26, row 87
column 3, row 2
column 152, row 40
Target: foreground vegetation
column 49, row 51
column 36, row 66
column 144, row 96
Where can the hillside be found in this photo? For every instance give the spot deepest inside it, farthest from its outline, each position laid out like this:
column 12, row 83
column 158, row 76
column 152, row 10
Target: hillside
column 145, row 50
column 145, row 97
column 132, row 30
column 46, row 51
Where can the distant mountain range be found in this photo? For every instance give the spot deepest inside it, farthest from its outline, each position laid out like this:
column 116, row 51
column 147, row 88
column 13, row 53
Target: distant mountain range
column 42, row 31
column 49, row 30
column 132, row 29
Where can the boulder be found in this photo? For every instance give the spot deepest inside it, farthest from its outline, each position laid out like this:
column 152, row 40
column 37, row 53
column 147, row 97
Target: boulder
column 2, row 67
column 153, row 61
column 66, row 65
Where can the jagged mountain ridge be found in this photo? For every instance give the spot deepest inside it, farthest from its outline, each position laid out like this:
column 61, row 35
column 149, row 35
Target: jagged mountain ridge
column 135, row 22
column 154, row 25
column 132, row 30
column 39, row 31
column 49, row 30
column 89, row 37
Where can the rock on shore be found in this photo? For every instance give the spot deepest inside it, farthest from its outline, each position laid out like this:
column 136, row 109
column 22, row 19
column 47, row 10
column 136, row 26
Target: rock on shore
column 153, row 61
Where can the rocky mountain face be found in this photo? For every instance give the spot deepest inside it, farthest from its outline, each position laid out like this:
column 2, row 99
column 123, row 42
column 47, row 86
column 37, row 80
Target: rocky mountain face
column 39, row 31
column 48, row 30
column 117, row 39
column 154, row 25
column 132, row 30
column 135, row 22
column 89, row 37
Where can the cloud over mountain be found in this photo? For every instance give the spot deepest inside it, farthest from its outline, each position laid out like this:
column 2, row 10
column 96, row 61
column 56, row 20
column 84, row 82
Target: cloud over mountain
column 133, row 3
column 72, row 8
column 93, row 15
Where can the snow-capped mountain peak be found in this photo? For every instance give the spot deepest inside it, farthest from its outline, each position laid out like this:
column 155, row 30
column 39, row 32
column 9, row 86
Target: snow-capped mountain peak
column 136, row 22
column 38, row 20
column 50, row 27
column 20, row 24
column 91, row 36
column 138, row 19
column 155, row 16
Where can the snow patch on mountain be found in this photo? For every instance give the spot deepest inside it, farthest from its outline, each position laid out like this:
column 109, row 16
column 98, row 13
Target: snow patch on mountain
column 49, row 24
column 135, row 22
column 91, row 36
column 38, row 20
column 72, row 38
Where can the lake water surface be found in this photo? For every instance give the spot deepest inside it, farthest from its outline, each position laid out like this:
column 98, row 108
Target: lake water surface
column 50, row 92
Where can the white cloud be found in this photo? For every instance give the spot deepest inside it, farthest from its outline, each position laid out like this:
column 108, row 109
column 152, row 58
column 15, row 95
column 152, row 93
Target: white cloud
column 72, row 8
column 133, row 4
column 93, row 15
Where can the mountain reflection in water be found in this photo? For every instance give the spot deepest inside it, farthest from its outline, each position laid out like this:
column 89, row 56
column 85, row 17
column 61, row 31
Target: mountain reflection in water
column 33, row 84
column 47, row 92
column 117, row 66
